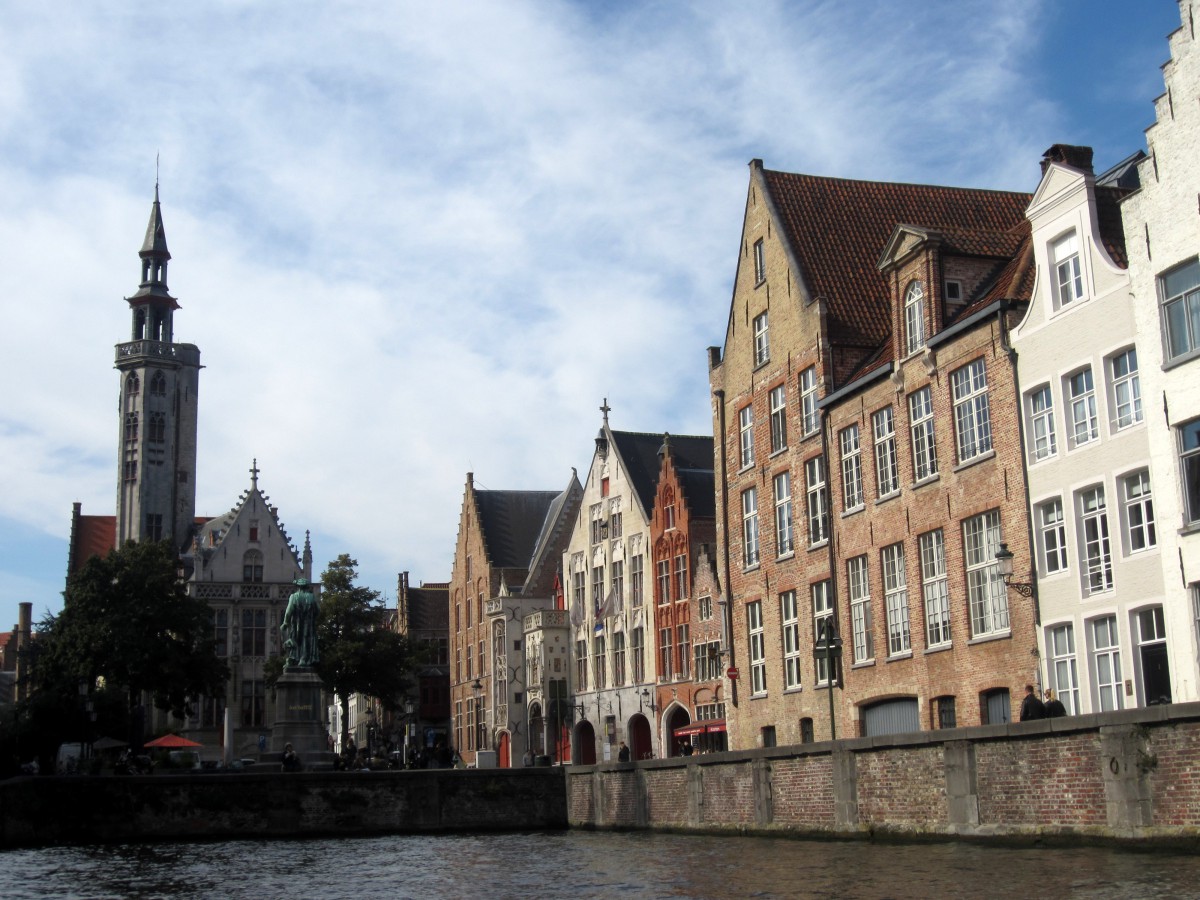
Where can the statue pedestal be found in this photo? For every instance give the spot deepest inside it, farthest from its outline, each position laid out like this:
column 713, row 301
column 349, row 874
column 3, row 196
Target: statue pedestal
column 299, row 718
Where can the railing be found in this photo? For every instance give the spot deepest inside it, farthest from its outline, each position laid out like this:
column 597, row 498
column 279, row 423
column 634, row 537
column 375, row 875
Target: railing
column 546, row 618
column 188, row 354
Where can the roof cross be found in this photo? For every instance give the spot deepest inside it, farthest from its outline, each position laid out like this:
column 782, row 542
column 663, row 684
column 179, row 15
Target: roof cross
column 605, row 409
column 254, row 474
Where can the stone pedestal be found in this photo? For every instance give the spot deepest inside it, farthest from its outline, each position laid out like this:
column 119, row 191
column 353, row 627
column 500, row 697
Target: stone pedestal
column 299, row 718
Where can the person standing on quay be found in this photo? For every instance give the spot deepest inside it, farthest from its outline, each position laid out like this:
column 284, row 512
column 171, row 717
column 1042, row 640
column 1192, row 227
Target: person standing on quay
column 623, row 753
column 1054, row 706
column 1031, row 706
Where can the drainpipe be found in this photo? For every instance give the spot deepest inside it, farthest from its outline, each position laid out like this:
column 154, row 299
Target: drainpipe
column 727, row 630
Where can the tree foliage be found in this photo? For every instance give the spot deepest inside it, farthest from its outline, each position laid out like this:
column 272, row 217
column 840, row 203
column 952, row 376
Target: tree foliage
column 358, row 655
column 128, row 619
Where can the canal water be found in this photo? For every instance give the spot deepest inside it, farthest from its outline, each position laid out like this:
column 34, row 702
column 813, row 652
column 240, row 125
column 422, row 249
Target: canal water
column 579, row 864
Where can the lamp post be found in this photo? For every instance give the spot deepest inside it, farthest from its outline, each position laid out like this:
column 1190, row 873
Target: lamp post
column 370, row 729
column 480, row 731
column 829, row 645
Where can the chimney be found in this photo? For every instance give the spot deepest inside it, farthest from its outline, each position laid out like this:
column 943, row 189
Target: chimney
column 1075, row 157
column 24, row 645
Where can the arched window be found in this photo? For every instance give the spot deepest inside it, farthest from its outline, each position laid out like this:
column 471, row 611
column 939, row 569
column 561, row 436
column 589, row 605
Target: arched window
column 158, row 384
column 156, row 428
column 131, row 428
column 133, row 387
column 914, row 318
column 252, row 566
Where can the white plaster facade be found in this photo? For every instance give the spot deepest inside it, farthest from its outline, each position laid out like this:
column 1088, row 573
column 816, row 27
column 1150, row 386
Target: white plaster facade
column 1162, row 221
column 1086, row 445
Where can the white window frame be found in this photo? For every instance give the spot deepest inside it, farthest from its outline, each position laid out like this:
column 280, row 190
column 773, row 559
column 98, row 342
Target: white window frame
column 1095, row 543
column 758, row 648
column 1106, row 664
column 762, row 340
column 809, row 421
column 784, row 538
column 851, row 457
column 972, row 418
column 1179, row 293
column 822, row 606
column 1039, row 406
column 887, row 469
column 895, row 594
column 789, row 618
column 1080, row 390
column 1125, row 388
column 936, row 588
column 746, row 435
column 778, row 403
column 924, row 441
column 1189, row 469
column 818, row 501
column 987, row 595
column 859, row 581
column 1068, row 277
column 1137, row 512
column 750, row 545
column 914, row 318
column 1060, row 641
column 1052, row 536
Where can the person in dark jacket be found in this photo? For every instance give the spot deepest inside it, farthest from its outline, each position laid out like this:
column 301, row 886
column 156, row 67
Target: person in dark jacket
column 1054, row 706
column 623, row 753
column 1031, row 706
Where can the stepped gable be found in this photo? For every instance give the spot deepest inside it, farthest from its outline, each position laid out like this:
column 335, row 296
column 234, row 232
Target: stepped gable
column 639, row 453
column 837, row 228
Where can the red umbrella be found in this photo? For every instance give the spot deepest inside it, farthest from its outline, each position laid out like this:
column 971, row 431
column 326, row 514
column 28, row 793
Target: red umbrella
column 172, row 741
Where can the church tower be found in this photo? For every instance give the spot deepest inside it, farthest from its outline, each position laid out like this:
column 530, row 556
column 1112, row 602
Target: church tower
column 156, row 460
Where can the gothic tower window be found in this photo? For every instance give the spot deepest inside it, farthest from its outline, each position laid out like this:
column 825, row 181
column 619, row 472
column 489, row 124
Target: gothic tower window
column 139, row 323
column 133, row 387
column 158, row 384
column 156, row 430
column 131, row 428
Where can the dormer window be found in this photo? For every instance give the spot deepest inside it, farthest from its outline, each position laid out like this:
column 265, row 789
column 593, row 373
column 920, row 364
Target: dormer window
column 954, row 295
column 1068, row 280
column 914, row 318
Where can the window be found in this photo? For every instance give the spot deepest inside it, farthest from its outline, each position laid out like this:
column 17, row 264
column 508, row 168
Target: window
column 598, row 590
column 987, row 594
column 860, row 608
column 254, row 702
column 131, row 427
column 664, row 654
column 749, row 527
column 1068, row 281
column 254, row 632
column 822, row 603
column 778, row 398
column 1152, row 647
column 887, row 479
column 818, row 501
column 947, row 718
column 895, row 593
column 935, row 589
column 684, row 653
column 154, row 529
column 578, row 582
column 597, row 520
column 618, row 584
column 920, row 414
column 1062, row 665
column 972, row 423
column 252, row 566
column 914, row 318
column 1189, row 462
column 158, row 384
column 852, row 489
column 681, row 576
column 790, row 618
column 669, row 512
column 637, row 647
column 806, row 730
column 663, row 573
column 762, row 346
column 705, row 608
column 1126, row 388
column 1106, row 663
column 599, row 669
column 470, row 661
column 220, row 620
column 1042, row 441
column 1052, row 536
column 1139, row 512
column 635, row 581
column 1081, row 396
column 783, row 514
column 746, row 435
column 615, row 526
column 809, row 422
column 156, row 428
column 1097, row 551
column 708, row 663
column 253, row 531
column 760, row 263
column 581, row 665
column 1180, row 292
column 758, row 648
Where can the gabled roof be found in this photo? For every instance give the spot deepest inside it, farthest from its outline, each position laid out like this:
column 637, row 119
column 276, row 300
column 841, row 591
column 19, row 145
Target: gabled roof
column 699, row 490
column 553, row 539
column 511, row 523
column 639, row 456
column 429, row 608
column 836, row 229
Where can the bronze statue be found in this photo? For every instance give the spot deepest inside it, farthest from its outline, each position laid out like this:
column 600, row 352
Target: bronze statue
column 299, row 626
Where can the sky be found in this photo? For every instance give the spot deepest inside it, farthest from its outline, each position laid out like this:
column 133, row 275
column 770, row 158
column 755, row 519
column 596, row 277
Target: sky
column 417, row 240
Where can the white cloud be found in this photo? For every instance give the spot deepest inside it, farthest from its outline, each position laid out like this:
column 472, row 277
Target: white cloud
column 426, row 238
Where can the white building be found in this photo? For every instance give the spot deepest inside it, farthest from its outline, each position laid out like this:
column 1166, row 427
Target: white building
column 1162, row 221
column 1091, row 494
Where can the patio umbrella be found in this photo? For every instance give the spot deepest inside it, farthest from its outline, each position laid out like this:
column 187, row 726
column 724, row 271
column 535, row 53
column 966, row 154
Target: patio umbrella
column 172, row 742
column 107, row 743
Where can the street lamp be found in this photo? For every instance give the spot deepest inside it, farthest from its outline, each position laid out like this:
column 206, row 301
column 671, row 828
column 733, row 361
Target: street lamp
column 370, row 729
column 1004, row 561
column 829, row 645
column 480, row 731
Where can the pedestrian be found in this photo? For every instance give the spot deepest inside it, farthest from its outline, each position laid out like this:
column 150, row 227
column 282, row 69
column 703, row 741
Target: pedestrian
column 291, row 762
column 623, row 753
column 527, row 759
column 1054, row 706
column 686, row 747
column 1031, row 706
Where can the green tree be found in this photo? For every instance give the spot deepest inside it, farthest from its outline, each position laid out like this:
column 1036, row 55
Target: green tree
column 359, row 655
column 128, row 620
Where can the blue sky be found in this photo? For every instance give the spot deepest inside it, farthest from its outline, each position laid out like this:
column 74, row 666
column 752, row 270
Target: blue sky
column 416, row 240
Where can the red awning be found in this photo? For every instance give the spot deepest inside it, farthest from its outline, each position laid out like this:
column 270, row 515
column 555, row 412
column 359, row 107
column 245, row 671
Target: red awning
column 689, row 730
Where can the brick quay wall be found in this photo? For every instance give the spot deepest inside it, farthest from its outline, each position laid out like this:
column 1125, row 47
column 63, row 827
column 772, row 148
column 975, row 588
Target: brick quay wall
column 1129, row 776
column 38, row 811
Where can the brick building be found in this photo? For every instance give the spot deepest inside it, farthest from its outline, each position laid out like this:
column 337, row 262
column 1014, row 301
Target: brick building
column 423, row 615
column 865, row 405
